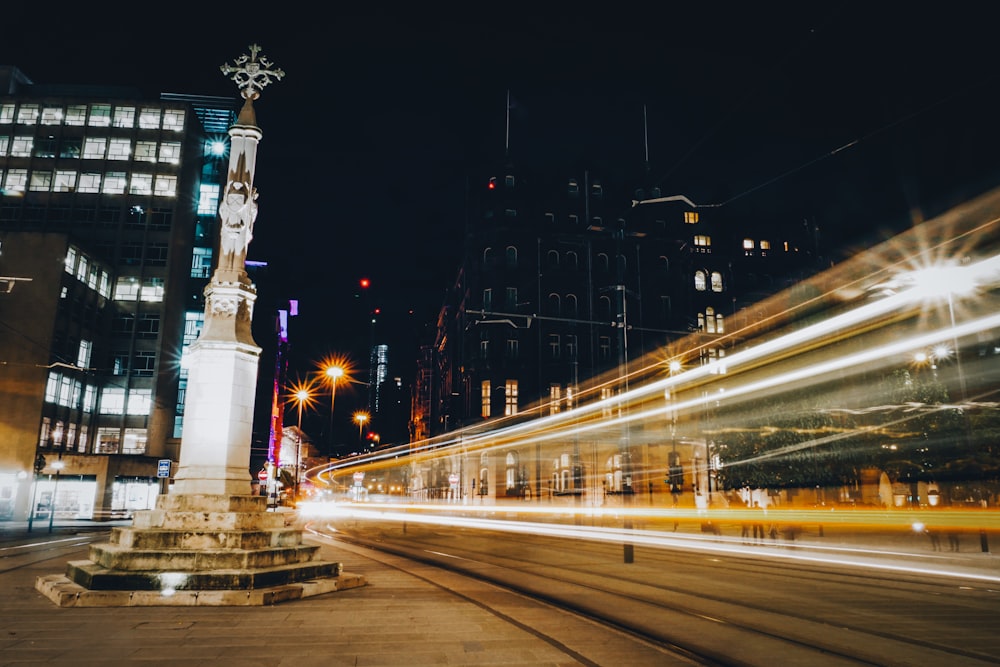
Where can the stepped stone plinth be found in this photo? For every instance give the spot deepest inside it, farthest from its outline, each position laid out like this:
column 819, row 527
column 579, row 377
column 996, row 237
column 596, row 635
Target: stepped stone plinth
column 199, row 550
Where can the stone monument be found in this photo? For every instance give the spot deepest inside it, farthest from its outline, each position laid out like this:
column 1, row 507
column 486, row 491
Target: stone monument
column 210, row 541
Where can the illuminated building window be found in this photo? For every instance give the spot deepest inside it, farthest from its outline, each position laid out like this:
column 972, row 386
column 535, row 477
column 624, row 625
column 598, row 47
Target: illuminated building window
column 702, row 242
column 485, row 395
column 41, row 181
column 716, row 281
column 126, row 289
column 76, row 114
column 700, row 283
column 135, row 441
column 65, row 181
column 94, row 148
column 114, row 183
column 720, row 326
column 52, row 115
column 113, row 401
column 510, row 398
column 6, row 114
column 124, row 117
column 21, row 147
column 166, row 186
column 141, row 184
column 701, row 321
column 90, row 182
column 83, row 353
column 170, row 152
column 45, row 433
column 149, row 119
column 100, row 115
column 16, row 180
column 28, row 114
column 208, row 199
column 690, row 217
column 140, row 401
column 708, row 319
column 119, row 149
column 201, row 263
column 145, row 151
column 748, row 244
column 569, row 397
column 510, row 472
column 152, row 290
column 4, row 143
column 69, row 264
column 108, row 440
column 765, row 245
column 52, row 388
column 173, row 119
column 555, row 396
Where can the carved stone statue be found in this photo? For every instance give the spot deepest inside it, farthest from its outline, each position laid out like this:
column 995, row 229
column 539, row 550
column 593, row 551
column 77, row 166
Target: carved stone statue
column 237, row 212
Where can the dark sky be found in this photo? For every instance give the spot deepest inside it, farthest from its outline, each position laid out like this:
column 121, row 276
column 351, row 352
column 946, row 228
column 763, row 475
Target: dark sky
column 386, row 113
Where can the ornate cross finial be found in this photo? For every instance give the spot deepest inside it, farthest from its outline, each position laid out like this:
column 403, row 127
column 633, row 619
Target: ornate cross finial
column 251, row 73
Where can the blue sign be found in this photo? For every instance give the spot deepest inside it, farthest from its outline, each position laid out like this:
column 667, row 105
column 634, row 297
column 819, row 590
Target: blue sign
column 163, row 468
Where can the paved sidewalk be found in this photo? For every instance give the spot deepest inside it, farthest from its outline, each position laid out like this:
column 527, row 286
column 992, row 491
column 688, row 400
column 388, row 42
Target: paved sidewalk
column 399, row 618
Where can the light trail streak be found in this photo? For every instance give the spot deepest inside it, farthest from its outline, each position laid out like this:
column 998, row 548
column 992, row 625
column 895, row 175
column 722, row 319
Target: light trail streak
column 867, row 556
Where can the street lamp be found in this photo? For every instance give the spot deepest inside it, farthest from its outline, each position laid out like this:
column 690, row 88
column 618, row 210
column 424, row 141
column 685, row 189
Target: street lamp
column 361, row 418
column 301, row 397
column 334, row 373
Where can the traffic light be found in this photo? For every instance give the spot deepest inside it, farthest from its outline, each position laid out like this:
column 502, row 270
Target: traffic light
column 365, row 283
column 492, row 185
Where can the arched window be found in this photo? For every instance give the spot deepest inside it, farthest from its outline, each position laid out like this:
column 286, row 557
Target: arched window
column 552, row 258
column 510, row 472
column 621, row 263
column 663, row 264
column 571, row 306
column 488, row 258
column 716, row 281
column 602, row 261
column 700, row 280
column 710, row 320
column 572, row 261
column 720, row 326
column 511, row 257
column 554, row 304
column 604, row 308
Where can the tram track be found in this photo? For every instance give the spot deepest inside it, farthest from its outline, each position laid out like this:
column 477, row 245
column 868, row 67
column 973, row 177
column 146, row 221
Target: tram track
column 27, row 553
column 710, row 627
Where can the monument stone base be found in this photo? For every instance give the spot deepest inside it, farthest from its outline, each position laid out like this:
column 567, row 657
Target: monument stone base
column 199, row 550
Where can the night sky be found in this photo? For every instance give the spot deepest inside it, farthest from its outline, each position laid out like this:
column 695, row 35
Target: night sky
column 387, row 115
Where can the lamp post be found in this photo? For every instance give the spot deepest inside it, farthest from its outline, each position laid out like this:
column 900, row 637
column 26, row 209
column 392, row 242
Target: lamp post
column 301, row 397
column 57, row 466
column 361, row 418
column 334, row 373
column 37, row 468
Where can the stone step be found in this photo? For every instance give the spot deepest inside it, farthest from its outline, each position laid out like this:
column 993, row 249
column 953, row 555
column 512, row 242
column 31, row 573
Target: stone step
column 198, row 521
column 95, row 577
column 174, row 502
column 160, row 539
column 117, row 557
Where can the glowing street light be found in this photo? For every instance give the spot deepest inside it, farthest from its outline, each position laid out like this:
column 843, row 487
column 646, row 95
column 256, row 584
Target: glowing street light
column 361, row 418
column 302, row 396
column 333, row 372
